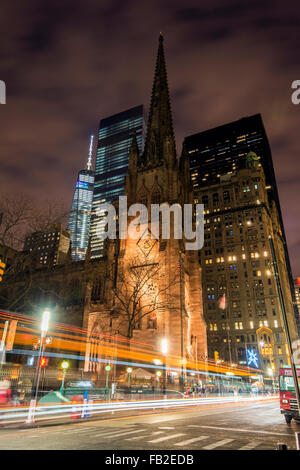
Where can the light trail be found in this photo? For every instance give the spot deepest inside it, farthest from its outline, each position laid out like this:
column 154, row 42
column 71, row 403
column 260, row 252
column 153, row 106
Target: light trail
column 19, row 414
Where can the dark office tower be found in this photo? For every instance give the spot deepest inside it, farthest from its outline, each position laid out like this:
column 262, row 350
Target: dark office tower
column 221, row 151
column 114, row 140
column 80, row 215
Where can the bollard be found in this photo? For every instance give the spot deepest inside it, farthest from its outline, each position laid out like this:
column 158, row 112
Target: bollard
column 281, row 446
column 297, row 436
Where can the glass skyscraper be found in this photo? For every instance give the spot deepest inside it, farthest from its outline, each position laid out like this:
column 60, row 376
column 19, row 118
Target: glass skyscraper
column 80, row 215
column 114, row 140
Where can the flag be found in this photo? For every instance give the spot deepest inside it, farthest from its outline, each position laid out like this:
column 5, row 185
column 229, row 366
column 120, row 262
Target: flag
column 222, row 302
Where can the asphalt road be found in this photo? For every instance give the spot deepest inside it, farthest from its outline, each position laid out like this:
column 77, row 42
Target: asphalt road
column 257, row 426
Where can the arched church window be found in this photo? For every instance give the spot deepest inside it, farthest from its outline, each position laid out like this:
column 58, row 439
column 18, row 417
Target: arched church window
column 96, row 290
column 155, row 198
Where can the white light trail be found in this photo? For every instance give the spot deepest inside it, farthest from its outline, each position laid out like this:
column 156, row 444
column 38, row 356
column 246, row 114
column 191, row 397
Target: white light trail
column 65, row 410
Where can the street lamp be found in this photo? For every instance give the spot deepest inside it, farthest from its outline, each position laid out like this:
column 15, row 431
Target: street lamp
column 64, row 366
column 164, row 349
column 44, row 329
column 158, row 373
column 129, row 370
column 45, row 323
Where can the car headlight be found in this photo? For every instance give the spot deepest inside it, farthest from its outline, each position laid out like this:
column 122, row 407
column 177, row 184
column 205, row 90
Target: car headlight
column 284, row 401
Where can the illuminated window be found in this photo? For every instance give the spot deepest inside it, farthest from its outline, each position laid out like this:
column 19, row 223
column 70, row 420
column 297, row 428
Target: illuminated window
column 252, row 325
column 276, row 323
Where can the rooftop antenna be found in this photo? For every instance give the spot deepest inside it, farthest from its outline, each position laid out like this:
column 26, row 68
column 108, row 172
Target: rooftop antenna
column 89, row 162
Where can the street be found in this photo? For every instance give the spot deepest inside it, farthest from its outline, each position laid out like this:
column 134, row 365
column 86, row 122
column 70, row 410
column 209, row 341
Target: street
column 234, row 426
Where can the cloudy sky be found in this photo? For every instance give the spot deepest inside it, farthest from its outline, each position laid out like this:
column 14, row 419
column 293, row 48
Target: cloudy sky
column 67, row 64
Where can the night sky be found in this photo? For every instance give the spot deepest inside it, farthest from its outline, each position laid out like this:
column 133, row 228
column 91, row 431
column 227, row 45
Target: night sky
column 67, row 64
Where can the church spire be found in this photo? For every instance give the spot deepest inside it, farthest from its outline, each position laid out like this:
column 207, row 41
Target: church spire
column 160, row 141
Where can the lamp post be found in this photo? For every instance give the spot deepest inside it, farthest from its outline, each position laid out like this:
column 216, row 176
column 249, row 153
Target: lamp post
column 218, row 372
column 158, row 373
column 114, row 386
column 44, row 329
column 106, row 390
column 181, row 288
column 129, row 370
column 64, row 366
column 286, row 325
column 164, row 350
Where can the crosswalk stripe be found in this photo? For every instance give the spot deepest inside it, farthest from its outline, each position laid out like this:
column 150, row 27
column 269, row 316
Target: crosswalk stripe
column 78, row 430
column 190, row 441
column 249, row 446
column 160, row 439
column 136, row 438
column 217, row 444
column 122, row 433
column 109, row 434
column 245, row 430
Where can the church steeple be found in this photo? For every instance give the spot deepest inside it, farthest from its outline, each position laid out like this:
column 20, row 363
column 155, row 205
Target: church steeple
column 160, row 141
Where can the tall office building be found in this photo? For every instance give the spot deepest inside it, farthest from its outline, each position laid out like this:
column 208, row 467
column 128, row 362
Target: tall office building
column 80, row 215
column 247, row 327
column 222, row 150
column 114, row 140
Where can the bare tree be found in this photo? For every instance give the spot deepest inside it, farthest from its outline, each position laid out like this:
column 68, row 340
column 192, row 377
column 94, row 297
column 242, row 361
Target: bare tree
column 15, row 219
column 20, row 216
column 140, row 290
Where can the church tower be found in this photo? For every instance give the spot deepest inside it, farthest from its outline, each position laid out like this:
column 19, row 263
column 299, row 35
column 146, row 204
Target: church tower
column 153, row 293
column 172, row 273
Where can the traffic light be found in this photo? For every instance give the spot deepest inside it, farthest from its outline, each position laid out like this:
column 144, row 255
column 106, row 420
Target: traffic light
column 2, row 267
column 216, row 356
column 44, row 361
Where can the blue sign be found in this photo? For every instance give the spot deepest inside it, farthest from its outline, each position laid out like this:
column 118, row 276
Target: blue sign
column 82, row 184
column 252, row 358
